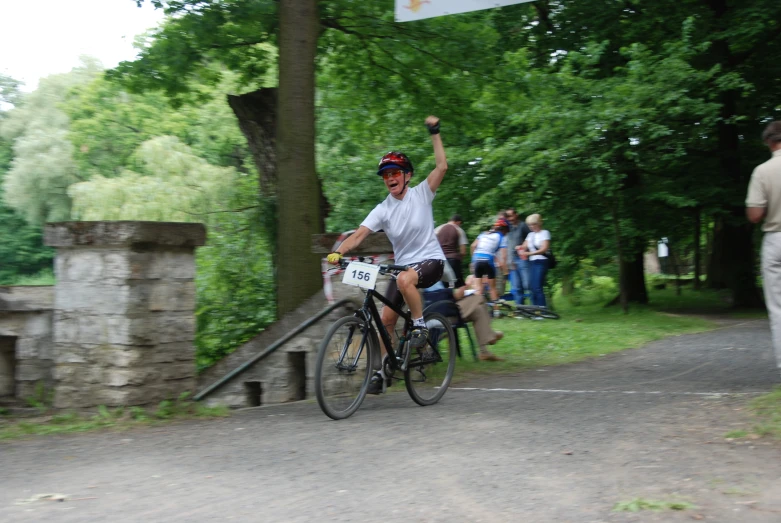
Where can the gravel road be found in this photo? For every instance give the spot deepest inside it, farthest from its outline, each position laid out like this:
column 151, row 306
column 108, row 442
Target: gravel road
column 557, row 444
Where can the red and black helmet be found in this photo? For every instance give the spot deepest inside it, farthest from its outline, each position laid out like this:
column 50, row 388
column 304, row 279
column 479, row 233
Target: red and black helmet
column 395, row 160
column 501, row 223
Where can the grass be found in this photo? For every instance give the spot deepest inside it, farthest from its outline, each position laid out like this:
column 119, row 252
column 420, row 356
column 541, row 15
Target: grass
column 767, row 408
column 44, row 277
column 638, row 504
column 592, row 331
column 119, row 418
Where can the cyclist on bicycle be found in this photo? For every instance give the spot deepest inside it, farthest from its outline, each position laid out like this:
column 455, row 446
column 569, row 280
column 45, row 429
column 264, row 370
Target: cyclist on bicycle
column 406, row 215
column 489, row 252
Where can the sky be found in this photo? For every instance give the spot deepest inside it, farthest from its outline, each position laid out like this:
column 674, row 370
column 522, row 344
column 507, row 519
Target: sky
column 43, row 37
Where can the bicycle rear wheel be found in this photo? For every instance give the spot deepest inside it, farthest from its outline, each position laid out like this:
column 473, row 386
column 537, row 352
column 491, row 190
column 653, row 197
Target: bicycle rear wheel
column 427, row 382
column 343, row 367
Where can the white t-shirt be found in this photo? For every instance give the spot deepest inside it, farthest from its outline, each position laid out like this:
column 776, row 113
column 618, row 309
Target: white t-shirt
column 534, row 243
column 409, row 224
column 488, row 245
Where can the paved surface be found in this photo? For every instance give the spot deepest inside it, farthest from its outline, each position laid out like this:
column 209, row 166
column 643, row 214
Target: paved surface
column 559, row 444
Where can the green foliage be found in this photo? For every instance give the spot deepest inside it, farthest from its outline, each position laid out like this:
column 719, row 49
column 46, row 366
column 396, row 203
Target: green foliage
column 234, row 277
column 21, row 249
column 638, row 504
column 589, row 331
column 176, row 56
column 108, row 124
column 43, row 167
column 10, row 92
column 42, row 277
column 174, row 185
column 42, row 397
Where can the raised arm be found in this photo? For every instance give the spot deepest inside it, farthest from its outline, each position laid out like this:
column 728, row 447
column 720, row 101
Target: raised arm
column 436, row 176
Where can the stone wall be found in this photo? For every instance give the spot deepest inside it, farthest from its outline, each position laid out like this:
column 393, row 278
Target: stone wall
column 118, row 327
column 26, row 354
column 124, row 323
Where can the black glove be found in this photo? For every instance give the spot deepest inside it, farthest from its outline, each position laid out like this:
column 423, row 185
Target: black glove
column 433, row 129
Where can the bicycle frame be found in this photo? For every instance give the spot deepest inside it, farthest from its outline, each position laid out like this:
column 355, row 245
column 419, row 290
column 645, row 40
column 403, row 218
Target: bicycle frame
column 371, row 307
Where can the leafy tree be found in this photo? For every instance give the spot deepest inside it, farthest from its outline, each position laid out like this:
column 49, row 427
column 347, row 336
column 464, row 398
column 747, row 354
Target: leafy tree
column 21, row 249
column 43, row 166
column 743, row 39
column 237, row 34
column 173, row 185
column 108, row 124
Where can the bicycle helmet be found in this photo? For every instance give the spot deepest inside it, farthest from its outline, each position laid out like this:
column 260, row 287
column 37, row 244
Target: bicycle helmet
column 395, row 160
column 501, row 223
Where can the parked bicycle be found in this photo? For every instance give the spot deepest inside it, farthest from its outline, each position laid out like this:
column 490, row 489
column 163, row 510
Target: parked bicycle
column 506, row 309
column 503, row 308
column 350, row 350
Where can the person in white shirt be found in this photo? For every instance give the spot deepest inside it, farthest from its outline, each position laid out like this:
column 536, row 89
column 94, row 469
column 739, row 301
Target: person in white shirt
column 407, row 217
column 533, row 249
column 763, row 202
column 489, row 254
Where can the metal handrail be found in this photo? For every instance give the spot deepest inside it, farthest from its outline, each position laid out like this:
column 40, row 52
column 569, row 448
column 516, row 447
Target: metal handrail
column 274, row 346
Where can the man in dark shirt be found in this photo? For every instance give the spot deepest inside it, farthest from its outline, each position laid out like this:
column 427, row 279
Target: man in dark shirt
column 519, row 269
column 453, row 240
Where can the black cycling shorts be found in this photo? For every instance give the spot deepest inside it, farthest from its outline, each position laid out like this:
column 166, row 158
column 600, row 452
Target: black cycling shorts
column 429, row 273
column 485, row 268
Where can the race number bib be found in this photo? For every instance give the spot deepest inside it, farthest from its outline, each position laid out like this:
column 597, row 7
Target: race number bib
column 363, row 275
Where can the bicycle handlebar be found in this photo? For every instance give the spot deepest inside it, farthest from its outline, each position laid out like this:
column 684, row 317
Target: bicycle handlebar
column 385, row 268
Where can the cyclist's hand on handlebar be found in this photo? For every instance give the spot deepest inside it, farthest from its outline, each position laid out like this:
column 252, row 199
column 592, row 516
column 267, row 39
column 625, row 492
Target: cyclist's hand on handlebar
column 334, row 258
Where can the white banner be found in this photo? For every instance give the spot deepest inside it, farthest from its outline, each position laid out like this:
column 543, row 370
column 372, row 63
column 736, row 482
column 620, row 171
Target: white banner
column 409, row 10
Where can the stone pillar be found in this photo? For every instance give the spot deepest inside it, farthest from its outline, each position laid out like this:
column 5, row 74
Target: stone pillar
column 124, row 321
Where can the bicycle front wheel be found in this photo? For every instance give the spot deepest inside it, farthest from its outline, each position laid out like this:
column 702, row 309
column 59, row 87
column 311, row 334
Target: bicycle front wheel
column 427, row 379
column 344, row 367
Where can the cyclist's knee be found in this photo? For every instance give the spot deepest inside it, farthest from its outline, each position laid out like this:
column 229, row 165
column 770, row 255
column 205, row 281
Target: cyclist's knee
column 388, row 316
column 407, row 280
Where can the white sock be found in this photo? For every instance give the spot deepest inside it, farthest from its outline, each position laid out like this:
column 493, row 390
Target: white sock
column 418, row 322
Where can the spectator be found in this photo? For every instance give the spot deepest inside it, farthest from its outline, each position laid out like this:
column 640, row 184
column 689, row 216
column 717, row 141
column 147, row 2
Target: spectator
column 518, row 268
column 452, row 239
column 764, row 202
column 533, row 249
column 489, row 252
column 471, row 306
column 502, row 275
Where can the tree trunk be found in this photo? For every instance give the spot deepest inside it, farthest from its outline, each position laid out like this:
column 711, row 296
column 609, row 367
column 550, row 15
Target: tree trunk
column 719, row 251
column 635, row 279
column 738, row 261
column 735, row 252
column 632, row 274
column 298, row 191
column 257, row 114
column 623, row 296
column 697, row 249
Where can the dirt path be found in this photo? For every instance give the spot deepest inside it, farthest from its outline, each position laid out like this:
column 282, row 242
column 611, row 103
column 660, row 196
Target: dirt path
column 558, row 444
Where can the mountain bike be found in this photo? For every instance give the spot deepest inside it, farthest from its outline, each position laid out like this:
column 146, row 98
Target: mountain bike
column 350, row 351
column 505, row 309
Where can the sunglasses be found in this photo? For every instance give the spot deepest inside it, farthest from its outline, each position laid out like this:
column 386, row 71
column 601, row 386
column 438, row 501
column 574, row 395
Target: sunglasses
column 391, row 173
